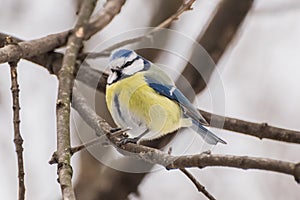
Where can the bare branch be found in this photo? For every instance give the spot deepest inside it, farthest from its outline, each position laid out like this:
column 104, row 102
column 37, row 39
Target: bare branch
column 95, row 141
column 28, row 49
column 52, row 61
column 156, row 156
column 66, row 80
column 49, row 60
column 205, row 160
column 110, row 10
column 185, row 7
column 31, row 48
column 85, row 145
column 260, row 130
column 164, row 24
column 198, row 185
column 18, row 140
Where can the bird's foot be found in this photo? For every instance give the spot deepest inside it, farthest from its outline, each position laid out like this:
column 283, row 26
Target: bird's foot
column 122, row 136
column 127, row 139
column 114, row 130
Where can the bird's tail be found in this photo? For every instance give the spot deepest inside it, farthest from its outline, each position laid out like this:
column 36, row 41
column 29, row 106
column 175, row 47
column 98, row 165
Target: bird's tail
column 207, row 135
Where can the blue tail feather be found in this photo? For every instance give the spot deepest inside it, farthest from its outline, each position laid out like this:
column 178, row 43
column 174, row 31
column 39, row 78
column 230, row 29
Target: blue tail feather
column 207, row 135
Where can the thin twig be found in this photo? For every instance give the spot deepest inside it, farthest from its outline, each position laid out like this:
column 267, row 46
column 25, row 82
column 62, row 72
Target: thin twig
column 164, row 24
column 40, row 50
column 94, row 55
column 85, row 145
column 260, row 130
column 18, row 140
column 110, row 9
column 37, row 51
column 156, row 156
column 185, row 7
column 198, row 185
column 66, row 80
column 95, row 141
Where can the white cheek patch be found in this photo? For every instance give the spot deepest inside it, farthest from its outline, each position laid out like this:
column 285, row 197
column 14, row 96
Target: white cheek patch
column 112, row 77
column 135, row 67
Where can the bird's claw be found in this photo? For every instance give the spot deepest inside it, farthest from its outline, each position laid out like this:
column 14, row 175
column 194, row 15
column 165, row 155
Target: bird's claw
column 112, row 130
column 126, row 140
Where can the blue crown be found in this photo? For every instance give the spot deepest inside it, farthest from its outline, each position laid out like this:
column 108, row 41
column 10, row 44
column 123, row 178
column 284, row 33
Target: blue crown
column 121, row 53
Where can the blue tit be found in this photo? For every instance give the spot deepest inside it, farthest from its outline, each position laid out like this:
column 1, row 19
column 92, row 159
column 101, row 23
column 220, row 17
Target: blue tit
column 142, row 97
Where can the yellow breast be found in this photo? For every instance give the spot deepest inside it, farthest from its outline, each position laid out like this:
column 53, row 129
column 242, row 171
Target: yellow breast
column 159, row 113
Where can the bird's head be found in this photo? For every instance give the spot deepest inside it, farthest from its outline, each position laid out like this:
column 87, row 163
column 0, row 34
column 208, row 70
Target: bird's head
column 125, row 63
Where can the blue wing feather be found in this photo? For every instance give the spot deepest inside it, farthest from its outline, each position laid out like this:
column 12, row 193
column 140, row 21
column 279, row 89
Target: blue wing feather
column 171, row 92
column 206, row 134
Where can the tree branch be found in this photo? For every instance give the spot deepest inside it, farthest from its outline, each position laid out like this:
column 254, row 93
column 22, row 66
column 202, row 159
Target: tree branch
column 18, row 140
column 207, row 160
column 95, row 141
column 198, row 185
column 28, row 49
column 110, row 9
column 52, row 60
column 260, row 130
column 32, row 48
column 66, row 79
column 164, row 24
column 156, row 156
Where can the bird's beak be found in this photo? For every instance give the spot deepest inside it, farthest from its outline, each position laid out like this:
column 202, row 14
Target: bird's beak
column 115, row 69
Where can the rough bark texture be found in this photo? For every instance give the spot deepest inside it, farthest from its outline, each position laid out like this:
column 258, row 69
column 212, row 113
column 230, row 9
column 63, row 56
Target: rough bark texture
column 66, row 80
column 18, row 140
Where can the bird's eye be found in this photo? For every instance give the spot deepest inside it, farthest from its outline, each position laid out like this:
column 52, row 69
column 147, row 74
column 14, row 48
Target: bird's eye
column 114, row 69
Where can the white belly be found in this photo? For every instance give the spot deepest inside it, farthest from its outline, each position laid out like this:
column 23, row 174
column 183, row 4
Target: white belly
column 126, row 119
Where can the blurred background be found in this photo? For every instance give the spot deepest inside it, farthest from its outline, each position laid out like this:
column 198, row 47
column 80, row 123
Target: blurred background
column 260, row 76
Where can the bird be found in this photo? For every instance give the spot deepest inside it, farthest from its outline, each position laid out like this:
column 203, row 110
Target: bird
column 143, row 98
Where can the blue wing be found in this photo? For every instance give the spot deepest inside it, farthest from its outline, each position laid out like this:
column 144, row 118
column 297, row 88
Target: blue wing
column 171, row 92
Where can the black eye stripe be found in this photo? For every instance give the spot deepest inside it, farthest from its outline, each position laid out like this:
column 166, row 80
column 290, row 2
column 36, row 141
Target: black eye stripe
column 130, row 62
